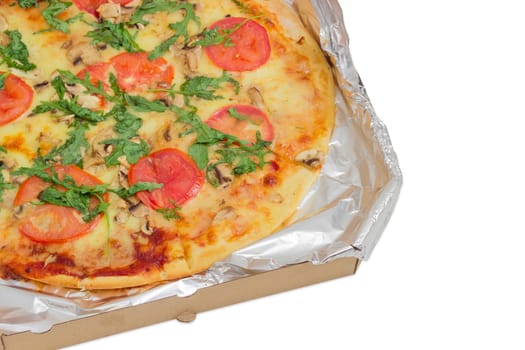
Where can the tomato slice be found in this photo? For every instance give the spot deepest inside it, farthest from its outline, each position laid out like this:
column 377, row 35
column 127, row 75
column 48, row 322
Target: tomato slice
column 91, row 6
column 51, row 223
column 15, row 98
column 248, row 47
column 174, row 169
column 135, row 72
column 242, row 121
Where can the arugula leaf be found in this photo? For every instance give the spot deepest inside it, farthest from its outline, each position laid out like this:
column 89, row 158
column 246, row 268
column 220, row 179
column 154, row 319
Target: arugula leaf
column 114, row 34
column 71, row 151
column 27, row 3
column 211, row 37
column 3, row 149
column 242, row 6
column 123, row 147
column 15, row 54
column 170, row 213
column 242, row 156
column 205, row 87
column 2, row 79
column 141, row 104
column 152, row 6
column 98, row 89
column 70, row 107
column 127, row 124
column 51, row 13
column 234, row 114
column 133, row 190
column 180, row 28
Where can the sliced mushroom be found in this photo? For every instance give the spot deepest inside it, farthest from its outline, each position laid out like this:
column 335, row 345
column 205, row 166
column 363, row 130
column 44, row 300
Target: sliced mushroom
column 17, row 211
column 10, row 163
column 256, row 97
column 109, row 11
column 41, row 85
column 66, row 44
column 122, row 216
column 146, row 228
column 88, row 101
column 139, row 210
column 123, row 176
column 223, row 214
column 67, row 119
column 166, row 135
column 223, row 175
column 191, row 60
column 83, row 52
column 18, row 179
column 312, row 158
column 100, row 149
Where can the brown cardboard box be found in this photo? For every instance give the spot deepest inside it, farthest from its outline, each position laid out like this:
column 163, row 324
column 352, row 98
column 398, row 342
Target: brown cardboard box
column 182, row 309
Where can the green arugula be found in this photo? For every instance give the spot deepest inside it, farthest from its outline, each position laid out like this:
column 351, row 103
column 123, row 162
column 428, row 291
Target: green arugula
column 152, row 6
column 202, row 87
column 242, row 156
column 27, row 3
column 205, row 87
column 15, row 54
column 210, row 37
column 114, row 34
column 180, row 28
column 68, row 107
column 51, row 13
column 3, row 76
column 65, row 192
column 127, row 126
column 170, row 213
column 71, row 151
column 242, row 6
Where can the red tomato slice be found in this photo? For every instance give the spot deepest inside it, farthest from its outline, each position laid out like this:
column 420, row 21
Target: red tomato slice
column 249, row 120
column 249, row 45
column 174, row 169
column 91, row 6
column 135, row 72
column 15, row 98
column 50, row 223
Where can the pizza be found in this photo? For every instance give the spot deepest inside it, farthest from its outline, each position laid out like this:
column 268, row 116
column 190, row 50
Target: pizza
column 143, row 140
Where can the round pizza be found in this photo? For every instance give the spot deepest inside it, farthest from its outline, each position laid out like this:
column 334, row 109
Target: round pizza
column 144, row 140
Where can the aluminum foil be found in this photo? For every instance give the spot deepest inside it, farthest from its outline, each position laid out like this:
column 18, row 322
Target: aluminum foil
column 343, row 215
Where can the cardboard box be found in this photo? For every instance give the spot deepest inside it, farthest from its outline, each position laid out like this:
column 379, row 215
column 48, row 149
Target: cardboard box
column 182, row 309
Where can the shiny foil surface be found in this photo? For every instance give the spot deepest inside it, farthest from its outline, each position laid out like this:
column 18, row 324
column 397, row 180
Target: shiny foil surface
column 343, row 215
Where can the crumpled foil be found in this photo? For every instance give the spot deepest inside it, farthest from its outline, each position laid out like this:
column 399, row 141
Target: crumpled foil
column 343, row 215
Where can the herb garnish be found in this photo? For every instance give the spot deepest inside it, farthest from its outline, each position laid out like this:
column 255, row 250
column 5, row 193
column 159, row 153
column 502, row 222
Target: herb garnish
column 27, row 3
column 180, row 28
column 170, row 213
column 114, row 34
column 241, row 155
column 15, row 54
column 51, row 13
column 152, row 6
column 202, row 87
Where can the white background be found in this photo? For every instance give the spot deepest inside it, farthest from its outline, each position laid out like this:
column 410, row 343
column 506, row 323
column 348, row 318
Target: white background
column 448, row 78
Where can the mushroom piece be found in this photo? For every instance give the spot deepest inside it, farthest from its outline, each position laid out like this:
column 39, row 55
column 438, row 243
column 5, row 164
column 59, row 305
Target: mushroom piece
column 122, row 216
column 146, row 228
column 123, row 176
column 83, row 52
column 223, row 214
column 223, row 175
column 138, row 210
column 191, row 59
column 312, row 158
column 256, row 97
column 100, row 149
column 110, row 11
column 17, row 211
